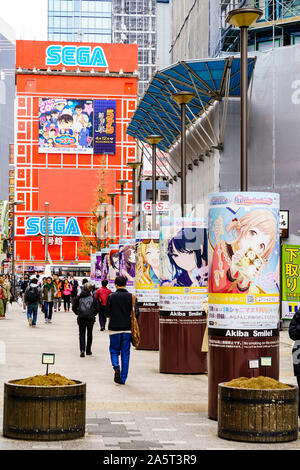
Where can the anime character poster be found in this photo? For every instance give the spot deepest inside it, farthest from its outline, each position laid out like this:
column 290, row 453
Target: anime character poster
column 104, row 264
column 65, row 125
column 183, row 264
column 98, row 266
column 244, row 261
column 290, row 284
column 105, row 127
column 147, row 266
column 93, row 266
column 113, row 265
column 127, row 260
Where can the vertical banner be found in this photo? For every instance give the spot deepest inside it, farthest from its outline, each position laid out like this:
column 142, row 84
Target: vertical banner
column 147, row 266
column 243, row 301
column 127, row 259
column 104, row 264
column 105, row 127
column 113, row 265
column 290, row 294
column 183, row 266
column 98, row 267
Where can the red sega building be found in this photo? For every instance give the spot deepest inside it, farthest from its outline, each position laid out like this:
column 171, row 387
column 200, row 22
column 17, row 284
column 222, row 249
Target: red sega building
column 93, row 87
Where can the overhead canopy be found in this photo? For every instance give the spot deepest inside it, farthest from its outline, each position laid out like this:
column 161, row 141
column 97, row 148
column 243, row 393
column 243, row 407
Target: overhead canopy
column 209, row 79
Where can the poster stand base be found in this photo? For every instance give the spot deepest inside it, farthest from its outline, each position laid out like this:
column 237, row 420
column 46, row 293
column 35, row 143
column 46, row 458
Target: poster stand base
column 180, row 343
column 149, row 326
column 233, row 357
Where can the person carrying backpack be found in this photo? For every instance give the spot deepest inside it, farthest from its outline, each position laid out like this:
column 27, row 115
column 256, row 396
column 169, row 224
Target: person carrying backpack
column 86, row 308
column 32, row 298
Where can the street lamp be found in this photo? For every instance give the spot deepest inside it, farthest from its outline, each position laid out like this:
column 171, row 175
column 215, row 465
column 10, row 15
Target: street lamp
column 112, row 199
column 46, row 204
column 105, row 204
column 133, row 166
column 183, row 98
column 243, row 18
column 154, row 139
column 14, row 203
column 122, row 184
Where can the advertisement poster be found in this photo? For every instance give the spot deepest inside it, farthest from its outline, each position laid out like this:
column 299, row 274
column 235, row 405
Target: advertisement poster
column 93, row 266
column 113, row 265
column 105, row 127
column 127, row 260
column 290, row 293
column 243, row 263
column 104, row 264
column 98, row 266
column 183, row 265
column 147, row 266
column 65, row 125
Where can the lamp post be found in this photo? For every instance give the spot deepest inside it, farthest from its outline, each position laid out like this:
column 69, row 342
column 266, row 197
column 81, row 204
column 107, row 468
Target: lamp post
column 105, row 204
column 133, row 166
column 154, row 139
column 243, row 18
column 14, row 203
column 183, row 98
column 112, row 199
column 46, row 204
column 122, row 184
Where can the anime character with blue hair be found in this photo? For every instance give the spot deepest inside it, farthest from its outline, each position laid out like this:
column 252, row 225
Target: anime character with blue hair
column 187, row 253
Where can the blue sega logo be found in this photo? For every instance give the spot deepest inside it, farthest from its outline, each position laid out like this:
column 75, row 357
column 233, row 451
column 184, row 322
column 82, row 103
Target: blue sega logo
column 82, row 56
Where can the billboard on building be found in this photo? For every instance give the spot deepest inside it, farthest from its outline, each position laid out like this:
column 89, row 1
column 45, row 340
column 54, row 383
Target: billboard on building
column 105, row 127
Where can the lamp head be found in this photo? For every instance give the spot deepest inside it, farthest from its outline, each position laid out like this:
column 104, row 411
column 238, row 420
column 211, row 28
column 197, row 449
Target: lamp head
column 154, row 138
column 112, row 195
column 243, row 17
column 122, row 182
column 183, row 97
column 133, row 165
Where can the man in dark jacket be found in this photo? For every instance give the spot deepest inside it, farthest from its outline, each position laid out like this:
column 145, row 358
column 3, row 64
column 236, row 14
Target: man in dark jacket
column 85, row 306
column 294, row 333
column 118, row 310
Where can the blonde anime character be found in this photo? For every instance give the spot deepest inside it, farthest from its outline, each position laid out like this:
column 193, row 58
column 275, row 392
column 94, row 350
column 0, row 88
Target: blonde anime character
column 235, row 264
column 147, row 267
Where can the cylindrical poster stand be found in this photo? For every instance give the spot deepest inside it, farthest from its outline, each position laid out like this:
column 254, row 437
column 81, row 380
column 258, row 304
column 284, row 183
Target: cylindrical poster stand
column 243, row 310
column 113, row 266
column 97, row 274
column 147, row 288
column 183, row 288
column 104, row 264
column 127, row 263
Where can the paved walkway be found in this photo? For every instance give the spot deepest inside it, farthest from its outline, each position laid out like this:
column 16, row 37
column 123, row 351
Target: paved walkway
column 152, row 411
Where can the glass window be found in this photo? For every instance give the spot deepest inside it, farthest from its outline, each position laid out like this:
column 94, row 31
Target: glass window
column 56, row 5
column 56, row 22
column 64, row 5
column 63, row 22
column 50, row 22
column 50, row 4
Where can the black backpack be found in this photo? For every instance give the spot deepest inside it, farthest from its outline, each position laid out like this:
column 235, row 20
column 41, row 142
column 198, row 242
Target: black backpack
column 32, row 295
column 85, row 309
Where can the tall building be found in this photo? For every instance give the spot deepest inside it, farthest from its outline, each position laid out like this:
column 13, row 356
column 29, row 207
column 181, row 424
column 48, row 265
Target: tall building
column 70, row 141
column 80, row 20
column 116, row 21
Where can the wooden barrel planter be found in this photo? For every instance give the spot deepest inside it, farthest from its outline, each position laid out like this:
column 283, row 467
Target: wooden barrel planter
column 252, row 415
column 44, row 413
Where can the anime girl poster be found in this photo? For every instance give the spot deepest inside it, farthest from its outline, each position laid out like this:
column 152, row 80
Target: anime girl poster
column 183, row 264
column 104, row 264
column 127, row 259
column 244, row 259
column 93, row 266
column 113, row 265
column 147, row 266
column 98, row 266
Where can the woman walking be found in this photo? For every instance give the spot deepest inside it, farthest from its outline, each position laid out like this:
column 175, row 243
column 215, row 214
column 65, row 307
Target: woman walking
column 49, row 293
column 67, row 290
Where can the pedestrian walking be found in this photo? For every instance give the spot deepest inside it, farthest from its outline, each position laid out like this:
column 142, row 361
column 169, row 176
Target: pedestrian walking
column 58, row 297
column 294, row 334
column 33, row 298
column 24, row 285
column 66, row 291
column 49, row 294
column 118, row 310
column 2, row 298
column 74, row 293
column 86, row 308
column 7, row 291
column 102, row 295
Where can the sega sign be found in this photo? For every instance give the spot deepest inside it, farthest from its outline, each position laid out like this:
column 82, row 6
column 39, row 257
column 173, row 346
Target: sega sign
column 58, row 226
column 82, row 56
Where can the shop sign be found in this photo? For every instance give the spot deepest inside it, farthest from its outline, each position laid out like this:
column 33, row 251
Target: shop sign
column 58, row 226
column 81, row 56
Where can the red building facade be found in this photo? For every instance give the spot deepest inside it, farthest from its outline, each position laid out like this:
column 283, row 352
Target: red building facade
column 64, row 167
